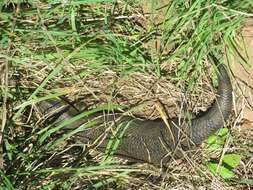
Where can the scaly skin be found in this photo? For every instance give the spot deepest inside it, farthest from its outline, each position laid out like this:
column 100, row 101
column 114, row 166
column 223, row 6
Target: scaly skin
column 152, row 141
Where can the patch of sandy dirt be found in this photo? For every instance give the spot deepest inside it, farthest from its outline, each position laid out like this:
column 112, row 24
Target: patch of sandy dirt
column 243, row 80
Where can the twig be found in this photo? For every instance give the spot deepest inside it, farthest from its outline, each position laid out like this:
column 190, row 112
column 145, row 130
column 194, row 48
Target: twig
column 118, row 17
column 232, row 10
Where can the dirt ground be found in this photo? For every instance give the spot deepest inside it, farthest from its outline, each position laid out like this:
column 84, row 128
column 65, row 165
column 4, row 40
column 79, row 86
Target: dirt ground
column 243, row 81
